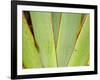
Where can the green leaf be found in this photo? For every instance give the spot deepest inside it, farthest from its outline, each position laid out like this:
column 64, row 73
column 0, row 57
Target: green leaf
column 42, row 28
column 81, row 51
column 69, row 28
column 56, row 19
column 30, row 55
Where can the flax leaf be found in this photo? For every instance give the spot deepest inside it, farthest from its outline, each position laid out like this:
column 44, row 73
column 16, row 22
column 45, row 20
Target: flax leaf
column 56, row 19
column 80, row 54
column 69, row 27
column 30, row 55
column 42, row 27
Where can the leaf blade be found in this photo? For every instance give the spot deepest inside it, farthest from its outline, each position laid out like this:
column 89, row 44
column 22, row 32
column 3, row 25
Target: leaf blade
column 42, row 28
column 69, row 27
column 80, row 54
column 30, row 56
column 56, row 19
